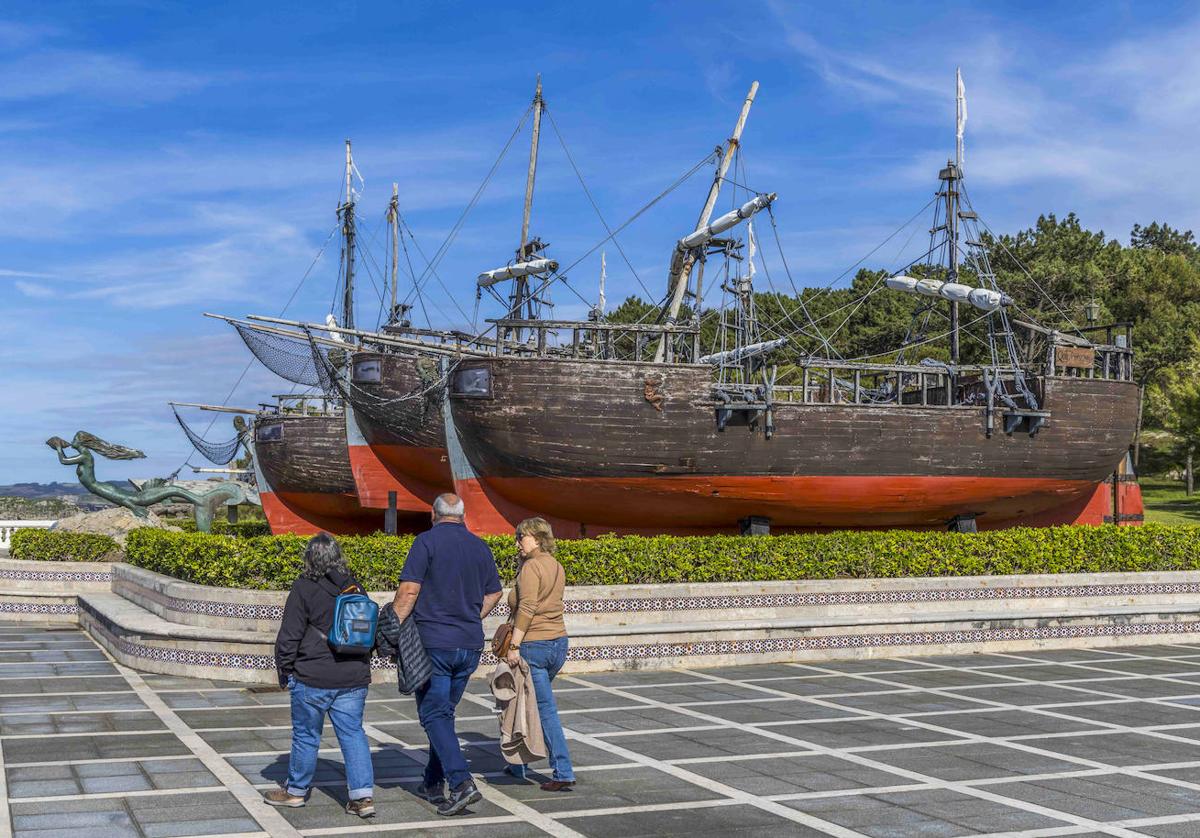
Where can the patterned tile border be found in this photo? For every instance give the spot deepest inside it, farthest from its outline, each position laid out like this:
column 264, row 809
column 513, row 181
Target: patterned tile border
column 210, row 608
column 251, row 611
column 57, row 575
column 700, row 648
column 859, row 641
column 38, row 608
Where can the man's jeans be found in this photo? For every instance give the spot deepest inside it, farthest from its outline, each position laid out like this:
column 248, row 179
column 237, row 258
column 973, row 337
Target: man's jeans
column 436, row 701
column 345, row 709
column 545, row 659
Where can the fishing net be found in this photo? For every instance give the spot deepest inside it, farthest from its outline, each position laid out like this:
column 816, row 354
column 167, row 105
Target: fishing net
column 291, row 358
column 382, row 409
column 219, row 453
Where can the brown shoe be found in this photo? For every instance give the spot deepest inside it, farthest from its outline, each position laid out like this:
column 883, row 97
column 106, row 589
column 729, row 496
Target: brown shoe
column 364, row 807
column 557, row 785
column 280, row 797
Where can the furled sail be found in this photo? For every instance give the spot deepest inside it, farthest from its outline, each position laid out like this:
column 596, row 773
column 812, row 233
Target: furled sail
column 984, row 299
column 534, row 266
column 730, row 219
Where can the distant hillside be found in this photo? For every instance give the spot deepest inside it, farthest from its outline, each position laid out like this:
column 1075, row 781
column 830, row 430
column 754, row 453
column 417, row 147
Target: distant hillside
column 35, row 491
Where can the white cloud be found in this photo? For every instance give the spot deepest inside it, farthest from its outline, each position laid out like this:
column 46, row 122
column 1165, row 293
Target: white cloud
column 32, row 289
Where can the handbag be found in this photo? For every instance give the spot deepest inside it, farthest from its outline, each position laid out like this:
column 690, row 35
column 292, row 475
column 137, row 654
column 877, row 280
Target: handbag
column 502, row 639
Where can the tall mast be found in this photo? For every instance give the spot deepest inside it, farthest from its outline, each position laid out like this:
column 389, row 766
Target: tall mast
column 394, row 219
column 520, row 307
column 520, row 288
column 347, row 213
column 682, row 261
column 533, row 153
column 952, row 174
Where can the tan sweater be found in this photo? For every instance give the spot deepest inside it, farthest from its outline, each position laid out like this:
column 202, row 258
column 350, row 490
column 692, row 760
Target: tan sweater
column 539, row 608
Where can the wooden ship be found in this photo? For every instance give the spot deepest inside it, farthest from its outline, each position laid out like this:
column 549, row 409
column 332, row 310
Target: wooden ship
column 683, row 440
column 315, row 470
column 394, row 386
column 643, row 428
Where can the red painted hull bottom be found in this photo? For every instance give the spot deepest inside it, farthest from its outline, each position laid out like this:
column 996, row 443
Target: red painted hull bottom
column 695, row 505
column 374, row 478
column 426, row 471
column 308, row 513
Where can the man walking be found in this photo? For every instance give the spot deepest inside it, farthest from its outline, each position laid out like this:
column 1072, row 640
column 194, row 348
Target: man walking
column 449, row 584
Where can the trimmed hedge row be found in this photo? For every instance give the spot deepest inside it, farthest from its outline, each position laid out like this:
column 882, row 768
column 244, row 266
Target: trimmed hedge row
column 54, row 546
column 220, row 526
column 274, row 562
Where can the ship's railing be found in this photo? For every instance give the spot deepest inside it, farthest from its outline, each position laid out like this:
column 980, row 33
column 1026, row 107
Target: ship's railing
column 830, row 382
column 291, row 404
column 592, row 338
column 7, row 528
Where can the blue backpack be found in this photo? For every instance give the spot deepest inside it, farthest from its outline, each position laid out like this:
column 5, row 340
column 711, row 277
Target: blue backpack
column 355, row 618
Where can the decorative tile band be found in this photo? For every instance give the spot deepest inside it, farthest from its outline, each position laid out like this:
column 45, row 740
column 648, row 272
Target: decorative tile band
column 252, row 611
column 56, row 575
column 701, row 648
column 209, row 608
column 859, row 641
column 38, row 608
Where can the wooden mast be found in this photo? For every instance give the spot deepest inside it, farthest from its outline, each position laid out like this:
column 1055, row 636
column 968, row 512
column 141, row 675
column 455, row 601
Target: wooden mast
column 952, row 175
column 519, row 307
column 683, row 261
column 394, row 219
column 347, row 212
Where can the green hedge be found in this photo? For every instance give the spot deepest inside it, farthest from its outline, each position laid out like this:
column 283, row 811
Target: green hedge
column 273, row 562
column 220, row 526
column 54, row 546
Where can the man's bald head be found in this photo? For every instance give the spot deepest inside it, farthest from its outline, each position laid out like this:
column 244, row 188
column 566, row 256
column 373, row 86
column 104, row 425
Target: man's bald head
column 448, row 506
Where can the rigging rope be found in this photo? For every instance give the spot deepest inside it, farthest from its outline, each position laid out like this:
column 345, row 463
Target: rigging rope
column 219, row 453
column 592, row 201
column 282, row 312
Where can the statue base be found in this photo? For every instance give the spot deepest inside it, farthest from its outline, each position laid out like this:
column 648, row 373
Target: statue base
column 117, row 523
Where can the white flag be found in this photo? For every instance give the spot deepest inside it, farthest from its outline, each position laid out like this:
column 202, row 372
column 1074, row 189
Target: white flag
column 603, row 276
column 961, row 113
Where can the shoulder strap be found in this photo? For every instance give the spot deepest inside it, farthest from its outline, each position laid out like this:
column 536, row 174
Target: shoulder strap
column 351, row 587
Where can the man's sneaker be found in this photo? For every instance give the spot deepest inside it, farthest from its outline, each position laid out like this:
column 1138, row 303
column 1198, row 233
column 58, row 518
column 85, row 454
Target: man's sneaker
column 280, row 797
column 435, row 793
column 460, row 798
column 364, row 807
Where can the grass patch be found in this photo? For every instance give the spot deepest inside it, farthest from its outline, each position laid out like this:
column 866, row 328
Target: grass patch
column 1166, row 502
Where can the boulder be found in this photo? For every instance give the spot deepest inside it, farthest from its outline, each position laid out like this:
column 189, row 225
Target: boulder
column 117, row 523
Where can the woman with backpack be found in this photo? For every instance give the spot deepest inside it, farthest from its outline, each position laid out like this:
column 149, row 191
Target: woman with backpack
column 539, row 635
column 325, row 676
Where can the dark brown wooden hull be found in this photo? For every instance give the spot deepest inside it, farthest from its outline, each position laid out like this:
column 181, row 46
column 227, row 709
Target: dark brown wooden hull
column 400, row 419
column 309, row 487
column 579, row 441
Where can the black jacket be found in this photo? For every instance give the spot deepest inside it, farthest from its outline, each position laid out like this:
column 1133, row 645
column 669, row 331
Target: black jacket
column 302, row 648
column 402, row 642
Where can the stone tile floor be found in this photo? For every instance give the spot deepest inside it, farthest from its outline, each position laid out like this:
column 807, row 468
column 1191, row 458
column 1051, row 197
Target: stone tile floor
column 1058, row 743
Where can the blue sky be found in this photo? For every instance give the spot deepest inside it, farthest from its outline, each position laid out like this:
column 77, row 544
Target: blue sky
column 165, row 159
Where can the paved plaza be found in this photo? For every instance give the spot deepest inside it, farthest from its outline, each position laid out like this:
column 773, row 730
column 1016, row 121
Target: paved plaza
column 1081, row 743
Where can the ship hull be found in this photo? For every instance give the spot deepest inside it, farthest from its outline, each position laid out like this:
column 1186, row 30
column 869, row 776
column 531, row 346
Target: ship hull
column 306, row 483
column 398, row 441
column 582, row 443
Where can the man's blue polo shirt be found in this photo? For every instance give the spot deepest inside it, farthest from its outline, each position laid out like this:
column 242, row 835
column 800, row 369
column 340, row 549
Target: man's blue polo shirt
column 455, row 570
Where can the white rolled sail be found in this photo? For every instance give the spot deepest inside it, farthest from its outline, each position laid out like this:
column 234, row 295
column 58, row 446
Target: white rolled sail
column 734, row 355
column 984, row 299
column 535, row 266
column 726, row 221
column 901, row 283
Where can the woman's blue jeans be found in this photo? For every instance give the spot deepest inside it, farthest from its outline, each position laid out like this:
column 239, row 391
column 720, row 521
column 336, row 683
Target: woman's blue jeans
column 345, row 709
column 545, row 659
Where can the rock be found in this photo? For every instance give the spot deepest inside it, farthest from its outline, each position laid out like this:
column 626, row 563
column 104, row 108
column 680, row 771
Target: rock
column 117, row 522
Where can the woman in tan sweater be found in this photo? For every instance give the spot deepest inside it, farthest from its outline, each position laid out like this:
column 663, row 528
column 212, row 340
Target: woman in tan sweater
column 540, row 637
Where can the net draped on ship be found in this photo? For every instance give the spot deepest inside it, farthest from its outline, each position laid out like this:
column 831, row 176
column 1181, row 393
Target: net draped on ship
column 290, row 357
column 219, row 453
